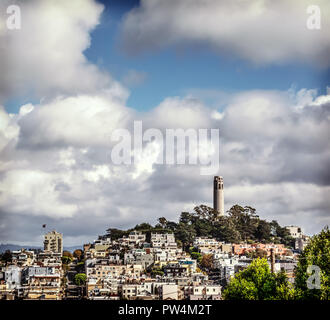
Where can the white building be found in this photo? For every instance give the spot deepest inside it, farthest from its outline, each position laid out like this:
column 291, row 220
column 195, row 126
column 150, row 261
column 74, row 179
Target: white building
column 295, row 232
column 53, row 242
column 163, row 240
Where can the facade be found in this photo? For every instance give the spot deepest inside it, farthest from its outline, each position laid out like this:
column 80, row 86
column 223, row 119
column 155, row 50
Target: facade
column 53, row 242
column 295, row 232
column 218, row 196
column 163, row 240
column 301, row 243
column 243, row 248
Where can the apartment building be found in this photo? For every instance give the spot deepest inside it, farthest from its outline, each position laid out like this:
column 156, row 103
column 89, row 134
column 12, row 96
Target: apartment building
column 163, row 240
column 53, row 242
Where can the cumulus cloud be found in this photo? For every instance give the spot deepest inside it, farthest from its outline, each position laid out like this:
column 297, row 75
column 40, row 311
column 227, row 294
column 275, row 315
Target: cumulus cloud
column 45, row 57
column 54, row 155
column 267, row 158
column 258, row 31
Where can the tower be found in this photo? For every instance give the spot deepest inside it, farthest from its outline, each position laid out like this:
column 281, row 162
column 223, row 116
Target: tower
column 53, row 242
column 218, row 198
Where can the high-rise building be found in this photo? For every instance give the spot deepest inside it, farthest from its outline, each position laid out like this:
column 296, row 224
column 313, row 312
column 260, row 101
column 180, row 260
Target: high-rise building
column 218, row 197
column 53, row 242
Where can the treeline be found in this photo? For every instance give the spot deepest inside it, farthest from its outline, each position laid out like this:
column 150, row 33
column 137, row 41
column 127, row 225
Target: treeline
column 241, row 224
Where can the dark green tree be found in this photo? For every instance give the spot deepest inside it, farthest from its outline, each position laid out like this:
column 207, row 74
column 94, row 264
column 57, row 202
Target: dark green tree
column 263, row 231
column 317, row 253
column 6, row 256
column 245, row 221
column 162, row 221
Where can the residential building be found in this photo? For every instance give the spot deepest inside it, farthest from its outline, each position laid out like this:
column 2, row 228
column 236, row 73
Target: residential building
column 53, row 242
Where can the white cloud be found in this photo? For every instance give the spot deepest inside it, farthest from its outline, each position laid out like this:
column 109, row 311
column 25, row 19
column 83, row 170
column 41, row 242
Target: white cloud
column 54, row 156
column 261, row 31
column 59, row 167
column 45, row 57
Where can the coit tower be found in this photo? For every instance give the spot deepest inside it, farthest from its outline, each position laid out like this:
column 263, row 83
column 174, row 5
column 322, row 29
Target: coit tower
column 218, row 198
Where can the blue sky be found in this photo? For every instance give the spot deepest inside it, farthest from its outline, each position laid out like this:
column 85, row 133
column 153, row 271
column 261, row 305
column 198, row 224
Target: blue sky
column 173, row 71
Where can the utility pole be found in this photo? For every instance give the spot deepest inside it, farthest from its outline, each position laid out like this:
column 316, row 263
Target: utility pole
column 272, row 260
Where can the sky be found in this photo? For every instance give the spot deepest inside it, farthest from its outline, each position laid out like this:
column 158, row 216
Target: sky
column 76, row 71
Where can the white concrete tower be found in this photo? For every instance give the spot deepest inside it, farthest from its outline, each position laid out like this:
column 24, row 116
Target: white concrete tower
column 218, row 198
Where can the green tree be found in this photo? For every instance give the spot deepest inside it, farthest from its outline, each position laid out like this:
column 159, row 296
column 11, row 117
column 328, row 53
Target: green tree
column 143, row 227
column 316, row 253
column 281, row 234
column 66, row 260
column 196, row 255
column 245, row 221
column 263, row 231
column 225, row 230
column 115, row 234
column 157, row 271
column 205, row 212
column 80, row 279
column 185, row 233
column 258, row 283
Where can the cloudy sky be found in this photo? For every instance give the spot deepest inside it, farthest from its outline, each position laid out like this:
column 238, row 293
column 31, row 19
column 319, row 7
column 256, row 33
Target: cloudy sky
column 77, row 70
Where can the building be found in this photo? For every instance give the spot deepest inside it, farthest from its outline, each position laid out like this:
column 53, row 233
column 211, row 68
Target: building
column 137, row 237
column 301, row 243
column 42, row 283
column 175, row 270
column 163, row 240
column 23, row 257
column 205, row 292
column 169, row 292
column 243, row 248
column 53, row 242
column 295, row 232
column 206, row 245
column 218, row 197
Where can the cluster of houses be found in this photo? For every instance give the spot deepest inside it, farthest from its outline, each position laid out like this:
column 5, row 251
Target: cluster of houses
column 32, row 275
column 137, row 267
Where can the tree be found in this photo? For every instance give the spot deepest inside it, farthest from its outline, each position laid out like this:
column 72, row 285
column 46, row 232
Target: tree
column 196, row 255
column 162, row 221
column 80, row 279
column 78, row 253
column 207, row 261
column 258, row 283
column 143, row 226
column 185, row 233
column 115, row 234
column 6, row 256
column 205, row 212
column 225, row 230
column 66, row 259
column 245, row 220
column 67, row 254
column 157, row 271
column 281, row 234
column 263, row 231
column 185, row 218
column 316, row 253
